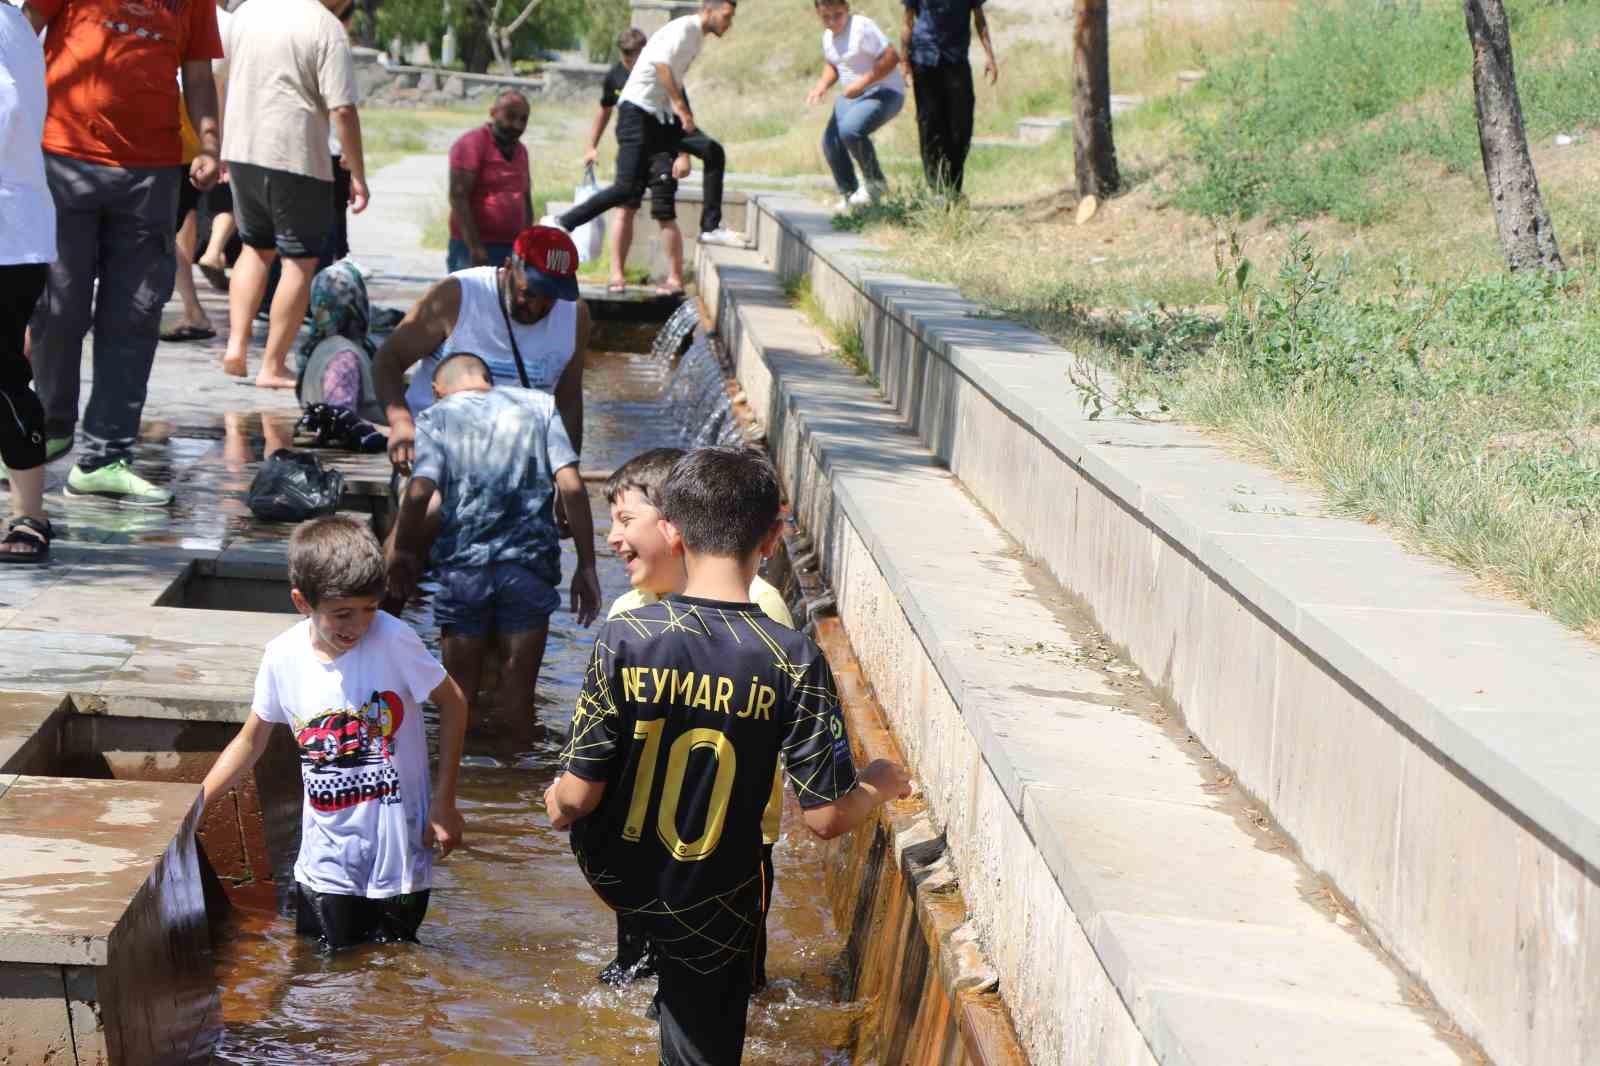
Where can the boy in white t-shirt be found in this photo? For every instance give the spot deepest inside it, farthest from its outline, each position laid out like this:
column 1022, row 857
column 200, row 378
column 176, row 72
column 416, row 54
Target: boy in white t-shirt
column 859, row 58
column 349, row 681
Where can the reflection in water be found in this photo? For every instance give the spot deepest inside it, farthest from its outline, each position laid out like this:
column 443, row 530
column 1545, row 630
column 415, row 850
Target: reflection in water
column 514, row 938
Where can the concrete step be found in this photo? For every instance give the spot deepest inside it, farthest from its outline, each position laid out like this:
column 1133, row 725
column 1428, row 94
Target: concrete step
column 104, row 950
column 1134, row 908
column 1390, row 716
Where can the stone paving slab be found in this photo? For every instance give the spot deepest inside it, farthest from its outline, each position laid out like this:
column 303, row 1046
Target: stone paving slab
column 1155, row 865
column 77, row 853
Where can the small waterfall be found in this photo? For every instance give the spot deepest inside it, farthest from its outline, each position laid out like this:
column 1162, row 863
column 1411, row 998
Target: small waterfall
column 676, row 331
column 696, row 392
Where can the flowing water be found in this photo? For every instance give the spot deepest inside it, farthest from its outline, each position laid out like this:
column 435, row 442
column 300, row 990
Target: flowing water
column 505, row 971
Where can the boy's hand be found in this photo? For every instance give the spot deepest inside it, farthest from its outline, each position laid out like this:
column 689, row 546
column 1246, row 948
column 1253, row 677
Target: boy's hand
column 444, row 827
column 557, row 819
column 586, row 594
column 886, row 778
column 405, row 570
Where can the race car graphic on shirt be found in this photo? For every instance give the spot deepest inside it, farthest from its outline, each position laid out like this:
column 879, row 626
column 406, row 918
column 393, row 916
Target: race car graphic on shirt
column 348, row 754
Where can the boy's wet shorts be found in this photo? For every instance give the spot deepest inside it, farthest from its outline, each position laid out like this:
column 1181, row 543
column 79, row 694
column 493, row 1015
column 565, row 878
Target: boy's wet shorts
column 503, row 597
column 338, row 921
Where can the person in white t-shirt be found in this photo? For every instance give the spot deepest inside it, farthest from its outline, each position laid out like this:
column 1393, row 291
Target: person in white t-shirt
column 654, row 122
column 349, row 681
column 27, row 248
column 857, row 56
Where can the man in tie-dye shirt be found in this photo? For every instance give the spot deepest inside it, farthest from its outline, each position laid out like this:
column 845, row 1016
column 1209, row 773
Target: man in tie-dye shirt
column 497, row 457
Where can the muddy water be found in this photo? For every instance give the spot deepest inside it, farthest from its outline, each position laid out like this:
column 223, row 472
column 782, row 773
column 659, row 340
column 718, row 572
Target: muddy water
column 505, row 971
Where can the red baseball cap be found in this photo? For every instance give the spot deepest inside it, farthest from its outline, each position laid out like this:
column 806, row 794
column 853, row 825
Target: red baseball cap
column 550, row 260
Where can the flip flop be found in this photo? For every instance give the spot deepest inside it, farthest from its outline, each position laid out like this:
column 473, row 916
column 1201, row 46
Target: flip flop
column 188, row 333
column 663, row 290
column 614, row 287
column 216, row 277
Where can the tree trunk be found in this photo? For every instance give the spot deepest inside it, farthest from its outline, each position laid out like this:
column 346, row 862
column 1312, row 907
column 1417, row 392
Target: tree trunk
column 1526, row 236
column 1094, row 154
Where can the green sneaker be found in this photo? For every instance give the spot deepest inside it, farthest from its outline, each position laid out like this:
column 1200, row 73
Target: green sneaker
column 115, row 482
column 56, row 447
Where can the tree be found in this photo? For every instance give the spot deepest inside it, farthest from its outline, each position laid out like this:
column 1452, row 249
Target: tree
column 500, row 33
column 1094, row 154
column 1526, row 236
column 487, row 33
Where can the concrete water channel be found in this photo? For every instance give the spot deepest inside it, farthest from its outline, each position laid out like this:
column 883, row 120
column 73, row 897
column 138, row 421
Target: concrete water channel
column 133, row 933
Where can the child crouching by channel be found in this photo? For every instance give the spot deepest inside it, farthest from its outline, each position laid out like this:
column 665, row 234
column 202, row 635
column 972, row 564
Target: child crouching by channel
column 686, row 708
column 349, row 682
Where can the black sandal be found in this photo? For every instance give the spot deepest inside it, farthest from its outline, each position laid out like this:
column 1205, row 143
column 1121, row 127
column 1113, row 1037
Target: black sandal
column 40, row 537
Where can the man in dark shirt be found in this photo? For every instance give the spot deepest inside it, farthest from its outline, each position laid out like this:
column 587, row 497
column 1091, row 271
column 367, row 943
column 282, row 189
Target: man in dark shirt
column 630, row 42
column 935, row 42
column 687, row 704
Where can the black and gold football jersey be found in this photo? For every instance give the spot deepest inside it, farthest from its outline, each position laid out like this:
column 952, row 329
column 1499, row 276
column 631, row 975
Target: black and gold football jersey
column 684, row 712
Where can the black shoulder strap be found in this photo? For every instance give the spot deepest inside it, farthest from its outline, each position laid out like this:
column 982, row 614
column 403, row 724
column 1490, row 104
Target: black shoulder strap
column 505, row 315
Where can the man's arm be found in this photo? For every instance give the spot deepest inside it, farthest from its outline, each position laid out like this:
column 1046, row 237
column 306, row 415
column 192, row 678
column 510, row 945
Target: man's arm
column 444, row 820
column 980, row 24
column 570, row 797
column 879, row 783
column 200, row 97
column 597, row 129
column 462, row 182
column 585, row 581
column 680, row 103
column 424, row 328
column 882, row 67
column 569, row 387
column 410, row 525
column 825, row 82
column 348, row 124
column 241, row 754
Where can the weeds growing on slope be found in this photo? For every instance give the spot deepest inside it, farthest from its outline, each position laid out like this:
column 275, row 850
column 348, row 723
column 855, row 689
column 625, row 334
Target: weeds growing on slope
column 1317, row 127
column 1465, row 415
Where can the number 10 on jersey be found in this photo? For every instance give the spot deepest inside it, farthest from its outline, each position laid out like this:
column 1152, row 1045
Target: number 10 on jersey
column 721, row 749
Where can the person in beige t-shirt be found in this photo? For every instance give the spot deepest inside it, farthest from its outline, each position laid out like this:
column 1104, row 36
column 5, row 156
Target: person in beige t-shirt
column 293, row 75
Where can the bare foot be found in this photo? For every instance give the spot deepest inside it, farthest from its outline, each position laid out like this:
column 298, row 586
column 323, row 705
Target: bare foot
column 233, row 365
column 273, row 381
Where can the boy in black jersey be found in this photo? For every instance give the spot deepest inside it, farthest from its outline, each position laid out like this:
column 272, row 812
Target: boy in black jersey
column 686, row 707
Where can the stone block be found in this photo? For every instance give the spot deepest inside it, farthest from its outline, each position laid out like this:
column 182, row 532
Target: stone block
column 36, row 1029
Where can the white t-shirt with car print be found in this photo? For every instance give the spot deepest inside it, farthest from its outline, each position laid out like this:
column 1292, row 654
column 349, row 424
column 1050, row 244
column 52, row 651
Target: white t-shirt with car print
column 363, row 755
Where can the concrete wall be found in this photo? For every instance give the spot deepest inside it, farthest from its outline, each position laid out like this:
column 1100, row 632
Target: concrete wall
column 1430, row 750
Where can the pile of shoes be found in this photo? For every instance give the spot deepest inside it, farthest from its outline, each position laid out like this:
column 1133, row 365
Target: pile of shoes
column 325, row 426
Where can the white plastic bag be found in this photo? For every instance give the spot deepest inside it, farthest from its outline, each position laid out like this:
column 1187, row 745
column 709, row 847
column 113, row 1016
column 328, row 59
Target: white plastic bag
column 591, row 236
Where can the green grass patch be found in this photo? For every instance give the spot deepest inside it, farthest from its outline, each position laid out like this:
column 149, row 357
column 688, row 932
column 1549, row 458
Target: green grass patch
column 1315, row 125
column 1465, row 415
column 845, row 339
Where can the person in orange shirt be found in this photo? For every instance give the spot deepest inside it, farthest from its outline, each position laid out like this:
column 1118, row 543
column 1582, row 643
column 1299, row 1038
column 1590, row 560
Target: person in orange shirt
column 112, row 149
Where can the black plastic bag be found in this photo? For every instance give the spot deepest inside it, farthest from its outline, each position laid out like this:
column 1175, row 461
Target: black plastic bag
column 294, row 486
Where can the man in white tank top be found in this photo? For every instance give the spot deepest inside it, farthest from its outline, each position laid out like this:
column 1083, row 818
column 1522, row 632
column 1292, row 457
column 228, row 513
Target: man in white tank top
column 528, row 307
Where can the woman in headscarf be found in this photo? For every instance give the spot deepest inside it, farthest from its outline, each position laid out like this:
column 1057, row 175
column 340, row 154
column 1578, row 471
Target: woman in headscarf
column 335, row 379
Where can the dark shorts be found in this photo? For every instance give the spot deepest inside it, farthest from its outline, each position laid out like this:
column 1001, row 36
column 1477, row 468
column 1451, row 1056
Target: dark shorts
column 343, row 921
column 277, row 209
column 188, row 196
column 663, row 189
column 219, row 201
column 504, row 597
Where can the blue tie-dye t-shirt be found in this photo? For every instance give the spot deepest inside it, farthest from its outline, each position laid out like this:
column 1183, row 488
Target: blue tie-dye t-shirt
column 493, row 456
